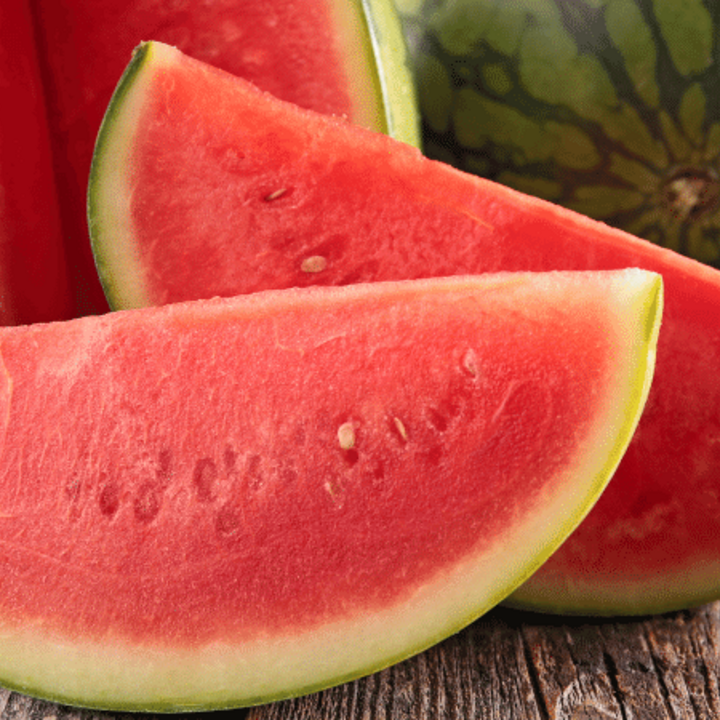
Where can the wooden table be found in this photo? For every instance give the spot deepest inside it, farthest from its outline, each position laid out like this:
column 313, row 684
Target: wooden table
column 512, row 666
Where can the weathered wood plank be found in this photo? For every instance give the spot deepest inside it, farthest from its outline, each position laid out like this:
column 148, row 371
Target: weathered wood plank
column 511, row 665
column 516, row 665
column 15, row 706
column 450, row 680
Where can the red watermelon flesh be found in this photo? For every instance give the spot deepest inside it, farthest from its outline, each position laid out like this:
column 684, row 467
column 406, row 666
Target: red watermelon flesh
column 229, row 501
column 34, row 285
column 204, row 186
column 316, row 53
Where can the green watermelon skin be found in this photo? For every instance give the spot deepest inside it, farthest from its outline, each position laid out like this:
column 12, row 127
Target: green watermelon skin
column 362, row 208
column 608, row 107
column 345, row 58
column 226, row 502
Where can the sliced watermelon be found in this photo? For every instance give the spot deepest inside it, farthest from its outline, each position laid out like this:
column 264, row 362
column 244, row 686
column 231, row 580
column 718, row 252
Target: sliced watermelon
column 343, row 57
column 230, row 501
column 204, row 186
column 34, row 284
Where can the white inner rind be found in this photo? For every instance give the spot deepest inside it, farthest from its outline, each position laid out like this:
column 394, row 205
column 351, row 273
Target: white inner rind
column 114, row 674
column 396, row 108
column 690, row 586
column 359, row 70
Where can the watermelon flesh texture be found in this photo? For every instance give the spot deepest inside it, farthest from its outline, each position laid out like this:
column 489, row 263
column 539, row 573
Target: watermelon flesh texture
column 229, row 501
column 203, row 186
column 319, row 55
column 34, row 285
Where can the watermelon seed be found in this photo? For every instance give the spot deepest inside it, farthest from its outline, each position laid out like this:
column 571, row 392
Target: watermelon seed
column 346, row 436
column 314, row 264
column 400, row 427
column 470, row 364
column 275, row 195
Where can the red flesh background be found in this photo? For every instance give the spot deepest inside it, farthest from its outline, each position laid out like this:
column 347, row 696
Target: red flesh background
column 287, row 47
column 33, row 276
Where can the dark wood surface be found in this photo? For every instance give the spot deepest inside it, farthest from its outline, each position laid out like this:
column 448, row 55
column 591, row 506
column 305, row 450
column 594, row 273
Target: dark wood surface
column 512, row 666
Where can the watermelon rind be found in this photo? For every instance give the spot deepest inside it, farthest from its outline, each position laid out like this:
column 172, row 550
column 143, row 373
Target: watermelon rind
column 112, row 152
column 560, row 594
column 114, row 143
column 112, row 672
column 628, row 137
column 377, row 68
column 394, row 76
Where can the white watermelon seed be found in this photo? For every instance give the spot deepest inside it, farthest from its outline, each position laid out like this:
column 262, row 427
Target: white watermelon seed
column 400, row 428
column 470, row 364
column 314, row 264
column 346, row 436
column 275, row 195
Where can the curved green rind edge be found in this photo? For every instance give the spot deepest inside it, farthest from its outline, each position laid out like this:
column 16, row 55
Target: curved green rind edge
column 644, row 356
column 394, row 76
column 394, row 88
column 662, row 598
column 528, row 598
column 105, row 133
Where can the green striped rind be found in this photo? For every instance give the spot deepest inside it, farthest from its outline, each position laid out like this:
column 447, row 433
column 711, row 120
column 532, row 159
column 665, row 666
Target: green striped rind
column 115, row 676
column 608, row 107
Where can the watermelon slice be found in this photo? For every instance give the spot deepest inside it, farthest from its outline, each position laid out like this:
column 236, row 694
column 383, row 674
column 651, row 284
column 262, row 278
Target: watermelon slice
column 342, row 57
column 34, row 284
column 204, row 186
column 230, row 501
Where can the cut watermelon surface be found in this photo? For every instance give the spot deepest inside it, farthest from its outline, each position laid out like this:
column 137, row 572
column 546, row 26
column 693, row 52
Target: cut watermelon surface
column 229, row 501
column 34, row 285
column 202, row 186
column 342, row 57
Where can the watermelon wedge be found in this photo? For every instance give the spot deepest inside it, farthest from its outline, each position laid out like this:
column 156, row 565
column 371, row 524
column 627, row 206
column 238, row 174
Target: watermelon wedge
column 202, row 185
column 34, row 284
column 230, row 501
column 342, row 57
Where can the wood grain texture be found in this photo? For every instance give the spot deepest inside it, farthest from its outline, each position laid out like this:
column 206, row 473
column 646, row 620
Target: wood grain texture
column 511, row 666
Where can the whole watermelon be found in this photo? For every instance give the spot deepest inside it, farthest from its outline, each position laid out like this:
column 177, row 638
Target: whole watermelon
column 609, row 107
